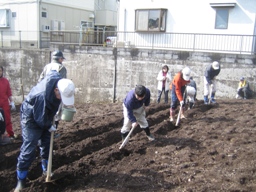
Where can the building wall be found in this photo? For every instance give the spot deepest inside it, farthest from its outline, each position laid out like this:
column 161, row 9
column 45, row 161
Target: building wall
column 72, row 12
column 197, row 16
column 106, row 13
column 94, row 70
column 26, row 16
column 79, row 4
column 72, row 17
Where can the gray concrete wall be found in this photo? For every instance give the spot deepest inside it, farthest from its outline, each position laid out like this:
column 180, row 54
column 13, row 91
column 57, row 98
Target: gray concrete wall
column 106, row 74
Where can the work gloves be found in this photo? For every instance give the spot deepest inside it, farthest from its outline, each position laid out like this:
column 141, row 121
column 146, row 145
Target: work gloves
column 1, row 117
column 211, row 86
column 52, row 129
column 13, row 108
column 181, row 103
column 134, row 124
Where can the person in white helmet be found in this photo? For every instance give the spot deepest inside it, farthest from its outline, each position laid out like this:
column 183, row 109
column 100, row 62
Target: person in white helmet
column 178, row 86
column 37, row 112
column 210, row 74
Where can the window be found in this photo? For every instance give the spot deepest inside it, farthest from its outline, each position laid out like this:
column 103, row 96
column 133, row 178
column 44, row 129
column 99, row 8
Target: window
column 222, row 13
column 44, row 14
column 85, row 24
column 13, row 14
column 4, row 17
column 150, row 19
column 221, row 21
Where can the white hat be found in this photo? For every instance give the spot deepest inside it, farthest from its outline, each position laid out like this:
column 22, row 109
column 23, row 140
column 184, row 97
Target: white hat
column 67, row 90
column 186, row 73
column 215, row 65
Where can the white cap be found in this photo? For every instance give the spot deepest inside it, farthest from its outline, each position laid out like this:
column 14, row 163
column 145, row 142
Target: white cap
column 67, row 90
column 215, row 65
column 186, row 73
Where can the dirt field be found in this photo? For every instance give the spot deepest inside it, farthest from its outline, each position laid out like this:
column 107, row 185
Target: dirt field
column 214, row 149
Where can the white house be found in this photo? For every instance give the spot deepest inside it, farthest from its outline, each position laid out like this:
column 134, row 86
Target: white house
column 30, row 21
column 188, row 23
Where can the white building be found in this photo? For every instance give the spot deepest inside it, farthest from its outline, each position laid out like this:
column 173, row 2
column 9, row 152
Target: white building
column 36, row 18
column 161, row 19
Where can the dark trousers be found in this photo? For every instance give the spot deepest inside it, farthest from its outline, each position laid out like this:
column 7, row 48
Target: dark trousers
column 244, row 92
column 31, row 135
column 160, row 94
column 175, row 100
column 2, row 123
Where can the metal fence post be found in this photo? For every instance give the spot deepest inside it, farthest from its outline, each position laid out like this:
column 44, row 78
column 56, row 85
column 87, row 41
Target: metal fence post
column 20, row 38
column 2, row 39
column 39, row 40
column 194, row 43
column 153, row 41
column 241, row 44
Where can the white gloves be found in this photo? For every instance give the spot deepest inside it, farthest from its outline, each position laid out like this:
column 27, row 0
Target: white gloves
column 181, row 103
column 13, row 108
column 211, row 86
column 238, row 89
column 1, row 117
column 134, row 124
column 52, row 129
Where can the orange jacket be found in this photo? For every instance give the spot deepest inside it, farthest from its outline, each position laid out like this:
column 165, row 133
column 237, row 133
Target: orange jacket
column 178, row 82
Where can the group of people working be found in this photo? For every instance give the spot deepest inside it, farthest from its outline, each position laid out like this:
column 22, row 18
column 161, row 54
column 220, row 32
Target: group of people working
column 184, row 89
column 40, row 111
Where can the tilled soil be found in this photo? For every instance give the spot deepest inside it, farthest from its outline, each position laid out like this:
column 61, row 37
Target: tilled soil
column 213, row 149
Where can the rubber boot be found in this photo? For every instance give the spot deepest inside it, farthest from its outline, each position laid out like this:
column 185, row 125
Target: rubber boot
column 191, row 105
column 150, row 136
column 123, row 135
column 182, row 116
column 206, row 101
column 21, row 176
column 56, row 135
column 44, row 164
column 171, row 114
column 212, row 98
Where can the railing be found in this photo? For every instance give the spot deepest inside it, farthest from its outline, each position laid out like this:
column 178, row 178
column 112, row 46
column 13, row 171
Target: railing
column 241, row 44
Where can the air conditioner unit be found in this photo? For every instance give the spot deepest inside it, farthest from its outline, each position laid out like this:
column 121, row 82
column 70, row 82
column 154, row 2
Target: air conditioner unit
column 61, row 27
column 55, row 26
column 45, row 28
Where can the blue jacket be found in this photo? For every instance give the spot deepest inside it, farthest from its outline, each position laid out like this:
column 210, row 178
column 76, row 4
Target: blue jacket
column 41, row 104
column 132, row 103
column 210, row 73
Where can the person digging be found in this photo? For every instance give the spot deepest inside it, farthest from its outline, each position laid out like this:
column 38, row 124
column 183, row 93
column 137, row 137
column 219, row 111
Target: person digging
column 210, row 74
column 134, row 111
column 37, row 113
column 57, row 65
column 178, row 87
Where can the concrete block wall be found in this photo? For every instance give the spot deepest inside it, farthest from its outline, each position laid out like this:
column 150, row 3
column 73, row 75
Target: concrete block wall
column 104, row 74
